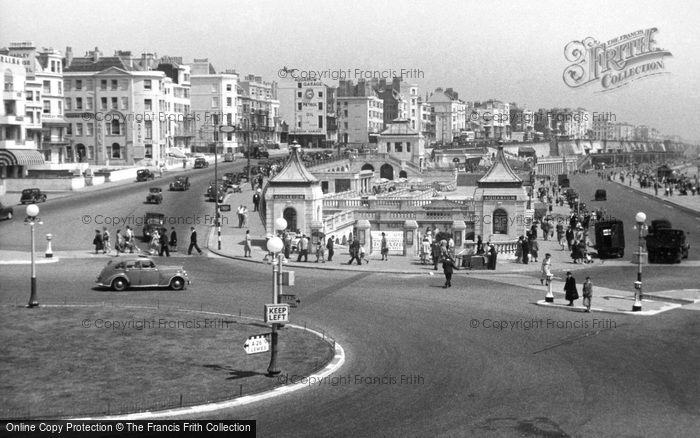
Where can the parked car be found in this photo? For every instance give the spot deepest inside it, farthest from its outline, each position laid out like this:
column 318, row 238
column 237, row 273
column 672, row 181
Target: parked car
column 181, row 183
column 610, row 238
column 155, row 195
column 667, row 245
column 141, row 272
column 228, row 157
column 601, row 195
column 144, row 175
column 6, row 212
column 200, row 163
column 32, row 196
column 212, row 191
column 152, row 221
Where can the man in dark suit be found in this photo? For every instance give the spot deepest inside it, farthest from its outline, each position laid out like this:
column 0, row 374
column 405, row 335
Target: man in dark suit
column 164, row 243
column 256, row 200
column 193, row 242
column 355, row 252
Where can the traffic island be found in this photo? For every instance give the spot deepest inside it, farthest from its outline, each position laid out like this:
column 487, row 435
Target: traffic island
column 75, row 361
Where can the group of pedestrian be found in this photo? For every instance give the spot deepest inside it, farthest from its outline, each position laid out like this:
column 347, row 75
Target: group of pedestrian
column 242, row 213
column 160, row 242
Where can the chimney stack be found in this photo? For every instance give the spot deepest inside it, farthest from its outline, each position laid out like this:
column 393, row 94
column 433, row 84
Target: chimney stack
column 69, row 56
column 96, row 55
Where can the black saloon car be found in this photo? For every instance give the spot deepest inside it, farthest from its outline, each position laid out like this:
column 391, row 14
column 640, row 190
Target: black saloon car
column 144, row 175
column 32, row 196
column 155, row 195
column 200, row 163
column 180, row 183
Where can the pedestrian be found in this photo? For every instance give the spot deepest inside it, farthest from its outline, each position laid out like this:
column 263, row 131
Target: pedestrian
column 245, row 216
column 164, row 248
column 479, row 245
column 493, row 255
column 526, row 250
column 448, row 266
column 129, row 239
column 154, row 244
column 287, row 240
column 519, row 250
column 571, row 293
column 355, row 252
column 246, row 245
column 173, row 239
column 193, row 242
column 321, row 250
column 385, row 248
column 239, row 212
column 425, row 250
column 587, row 290
column 436, row 254
column 329, row 247
column 546, row 268
column 184, row 163
column 256, row 200
column 303, row 248
column 119, row 242
column 106, row 245
column 534, row 249
column 97, row 241
column 362, row 255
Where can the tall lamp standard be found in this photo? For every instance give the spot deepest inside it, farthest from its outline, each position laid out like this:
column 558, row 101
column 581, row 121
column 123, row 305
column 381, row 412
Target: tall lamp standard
column 640, row 218
column 31, row 220
column 274, row 246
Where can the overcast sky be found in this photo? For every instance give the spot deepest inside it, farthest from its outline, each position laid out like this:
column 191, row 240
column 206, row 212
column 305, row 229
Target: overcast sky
column 511, row 51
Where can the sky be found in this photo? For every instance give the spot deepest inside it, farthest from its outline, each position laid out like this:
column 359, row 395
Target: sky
column 506, row 50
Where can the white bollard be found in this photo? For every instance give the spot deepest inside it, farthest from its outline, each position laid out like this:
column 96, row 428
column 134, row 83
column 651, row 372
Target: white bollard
column 49, row 252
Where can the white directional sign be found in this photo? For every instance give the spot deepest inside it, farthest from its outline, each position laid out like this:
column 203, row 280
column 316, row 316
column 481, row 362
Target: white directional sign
column 276, row 313
column 257, row 343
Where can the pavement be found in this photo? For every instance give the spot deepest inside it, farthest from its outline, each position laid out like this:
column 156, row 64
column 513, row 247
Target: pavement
column 507, row 270
column 689, row 203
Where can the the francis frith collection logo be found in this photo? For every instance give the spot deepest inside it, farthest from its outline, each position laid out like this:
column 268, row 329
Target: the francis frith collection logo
column 614, row 63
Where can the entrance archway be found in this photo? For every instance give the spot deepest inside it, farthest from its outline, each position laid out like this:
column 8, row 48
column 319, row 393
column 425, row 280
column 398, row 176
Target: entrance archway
column 290, row 215
column 367, row 166
column 386, row 171
column 403, row 174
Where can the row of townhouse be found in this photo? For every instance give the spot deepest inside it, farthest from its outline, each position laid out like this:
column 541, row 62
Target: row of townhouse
column 124, row 109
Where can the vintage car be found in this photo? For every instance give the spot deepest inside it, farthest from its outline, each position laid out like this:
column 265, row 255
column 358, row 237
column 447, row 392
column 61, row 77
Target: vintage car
column 200, row 163
column 141, row 272
column 6, row 211
column 144, row 175
column 666, row 244
column 610, row 238
column 601, row 195
column 32, row 196
column 213, row 191
column 180, row 183
column 228, row 157
column 155, row 195
column 152, row 221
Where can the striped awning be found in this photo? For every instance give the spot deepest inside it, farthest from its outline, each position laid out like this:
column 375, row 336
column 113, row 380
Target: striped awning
column 20, row 157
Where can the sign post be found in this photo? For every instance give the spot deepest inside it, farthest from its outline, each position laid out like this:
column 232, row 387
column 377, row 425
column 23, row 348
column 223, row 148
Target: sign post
column 257, row 343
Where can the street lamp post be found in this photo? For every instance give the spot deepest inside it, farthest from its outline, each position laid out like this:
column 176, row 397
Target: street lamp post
column 32, row 219
column 640, row 218
column 274, row 246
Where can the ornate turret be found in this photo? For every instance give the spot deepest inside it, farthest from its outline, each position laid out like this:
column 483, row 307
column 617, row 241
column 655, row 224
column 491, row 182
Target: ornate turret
column 500, row 175
column 294, row 194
